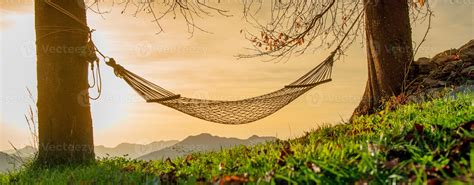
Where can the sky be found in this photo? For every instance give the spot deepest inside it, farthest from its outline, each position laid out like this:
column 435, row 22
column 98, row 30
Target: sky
column 201, row 66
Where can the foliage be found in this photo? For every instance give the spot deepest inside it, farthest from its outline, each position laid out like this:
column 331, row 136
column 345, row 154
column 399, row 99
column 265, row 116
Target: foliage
column 416, row 143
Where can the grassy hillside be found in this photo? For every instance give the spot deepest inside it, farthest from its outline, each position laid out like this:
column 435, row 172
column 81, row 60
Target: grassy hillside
column 429, row 142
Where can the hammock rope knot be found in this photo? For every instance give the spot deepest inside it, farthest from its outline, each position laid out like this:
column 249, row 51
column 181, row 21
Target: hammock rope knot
column 118, row 69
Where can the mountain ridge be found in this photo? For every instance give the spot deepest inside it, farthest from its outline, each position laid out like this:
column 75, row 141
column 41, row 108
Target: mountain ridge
column 203, row 143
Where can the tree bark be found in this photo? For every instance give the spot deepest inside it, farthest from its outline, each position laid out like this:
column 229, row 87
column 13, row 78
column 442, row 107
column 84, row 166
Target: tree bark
column 64, row 117
column 389, row 51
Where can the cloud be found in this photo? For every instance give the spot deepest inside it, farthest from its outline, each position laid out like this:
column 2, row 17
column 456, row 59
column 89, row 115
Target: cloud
column 16, row 5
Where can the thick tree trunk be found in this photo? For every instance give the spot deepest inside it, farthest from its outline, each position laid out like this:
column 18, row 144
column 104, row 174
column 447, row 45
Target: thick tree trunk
column 64, row 117
column 389, row 51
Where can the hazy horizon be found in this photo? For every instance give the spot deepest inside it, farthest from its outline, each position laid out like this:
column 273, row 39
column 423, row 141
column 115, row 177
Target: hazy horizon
column 203, row 66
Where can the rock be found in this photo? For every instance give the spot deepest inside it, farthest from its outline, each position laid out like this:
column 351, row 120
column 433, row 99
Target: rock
column 422, row 61
column 452, row 78
column 436, row 92
column 433, row 83
column 440, row 92
column 461, row 89
column 444, row 57
column 439, row 74
column 450, row 66
column 466, row 52
column 469, row 71
column 468, row 46
column 415, row 99
column 424, row 65
column 441, row 83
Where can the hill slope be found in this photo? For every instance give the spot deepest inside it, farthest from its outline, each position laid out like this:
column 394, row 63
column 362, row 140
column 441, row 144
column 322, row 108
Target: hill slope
column 425, row 143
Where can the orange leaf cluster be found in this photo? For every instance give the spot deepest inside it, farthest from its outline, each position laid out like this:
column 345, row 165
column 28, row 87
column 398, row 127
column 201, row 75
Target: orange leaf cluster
column 273, row 42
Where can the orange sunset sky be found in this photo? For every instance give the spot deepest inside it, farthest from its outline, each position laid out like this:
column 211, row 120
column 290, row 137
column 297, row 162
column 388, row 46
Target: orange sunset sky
column 202, row 66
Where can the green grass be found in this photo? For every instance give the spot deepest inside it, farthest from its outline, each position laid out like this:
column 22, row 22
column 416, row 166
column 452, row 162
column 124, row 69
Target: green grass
column 417, row 143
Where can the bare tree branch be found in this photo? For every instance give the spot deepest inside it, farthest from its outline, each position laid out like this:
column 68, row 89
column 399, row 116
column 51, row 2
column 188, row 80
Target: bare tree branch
column 297, row 25
column 189, row 10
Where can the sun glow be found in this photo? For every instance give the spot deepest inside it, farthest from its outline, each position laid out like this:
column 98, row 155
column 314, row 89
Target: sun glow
column 203, row 66
column 18, row 72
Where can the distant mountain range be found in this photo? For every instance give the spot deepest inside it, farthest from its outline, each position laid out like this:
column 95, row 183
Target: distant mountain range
column 153, row 151
column 8, row 162
column 202, row 143
column 130, row 150
column 25, row 152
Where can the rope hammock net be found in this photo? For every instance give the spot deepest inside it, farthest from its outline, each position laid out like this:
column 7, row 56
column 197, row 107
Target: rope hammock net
column 228, row 112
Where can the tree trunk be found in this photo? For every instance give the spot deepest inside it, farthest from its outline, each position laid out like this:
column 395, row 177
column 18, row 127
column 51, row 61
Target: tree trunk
column 389, row 51
column 64, row 117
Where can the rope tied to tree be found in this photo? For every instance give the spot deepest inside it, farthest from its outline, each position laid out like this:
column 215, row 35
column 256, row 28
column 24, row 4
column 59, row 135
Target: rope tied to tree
column 65, row 12
column 89, row 51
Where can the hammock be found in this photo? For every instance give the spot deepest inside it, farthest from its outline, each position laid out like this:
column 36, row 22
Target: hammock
column 228, row 112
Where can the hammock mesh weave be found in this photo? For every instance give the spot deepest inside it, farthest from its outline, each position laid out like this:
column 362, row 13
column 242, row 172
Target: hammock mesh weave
column 228, row 112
